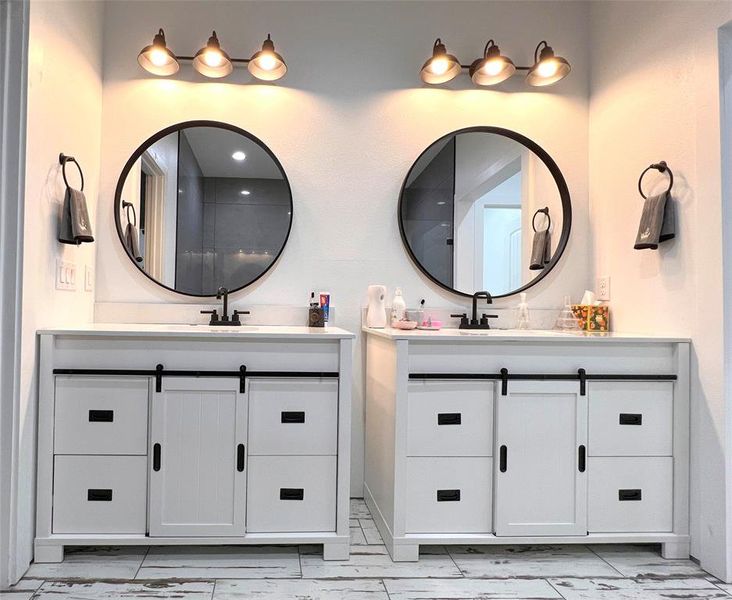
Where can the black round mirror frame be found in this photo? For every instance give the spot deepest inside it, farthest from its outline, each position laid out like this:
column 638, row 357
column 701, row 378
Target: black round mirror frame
column 558, row 178
column 160, row 135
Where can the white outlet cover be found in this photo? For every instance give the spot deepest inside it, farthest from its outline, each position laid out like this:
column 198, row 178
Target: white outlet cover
column 603, row 288
column 88, row 278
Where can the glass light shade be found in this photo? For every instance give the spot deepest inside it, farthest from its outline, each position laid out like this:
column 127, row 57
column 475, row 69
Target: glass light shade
column 266, row 64
column 157, row 57
column 211, row 60
column 547, row 69
column 441, row 67
column 493, row 68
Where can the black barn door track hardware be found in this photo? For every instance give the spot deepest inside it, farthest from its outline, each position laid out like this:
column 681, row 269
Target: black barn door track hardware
column 159, row 372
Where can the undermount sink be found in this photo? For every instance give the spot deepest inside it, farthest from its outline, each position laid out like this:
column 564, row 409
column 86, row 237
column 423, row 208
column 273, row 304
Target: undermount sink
column 212, row 329
column 519, row 332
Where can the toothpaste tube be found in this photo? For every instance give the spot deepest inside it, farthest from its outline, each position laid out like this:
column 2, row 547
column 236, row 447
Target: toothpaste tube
column 325, row 304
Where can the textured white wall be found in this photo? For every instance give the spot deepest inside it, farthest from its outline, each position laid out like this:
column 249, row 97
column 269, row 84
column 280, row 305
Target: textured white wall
column 347, row 122
column 64, row 115
column 655, row 96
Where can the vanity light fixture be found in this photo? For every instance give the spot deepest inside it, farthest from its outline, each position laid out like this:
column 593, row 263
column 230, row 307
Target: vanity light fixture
column 493, row 67
column 211, row 60
column 239, row 155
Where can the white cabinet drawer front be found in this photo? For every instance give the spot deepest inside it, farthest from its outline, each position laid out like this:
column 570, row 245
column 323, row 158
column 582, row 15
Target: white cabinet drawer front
column 630, row 494
column 295, row 416
column 99, row 494
column 101, row 415
column 450, row 418
column 449, row 495
column 631, row 418
column 291, row 493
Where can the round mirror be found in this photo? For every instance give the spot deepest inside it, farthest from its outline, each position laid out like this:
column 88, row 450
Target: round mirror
column 202, row 205
column 485, row 208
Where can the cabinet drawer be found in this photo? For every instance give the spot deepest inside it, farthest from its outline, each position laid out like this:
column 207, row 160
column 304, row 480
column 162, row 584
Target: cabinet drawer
column 450, row 418
column 100, row 415
column 631, row 418
column 630, row 494
column 449, row 495
column 99, row 494
column 298, row 416
column 291, row 493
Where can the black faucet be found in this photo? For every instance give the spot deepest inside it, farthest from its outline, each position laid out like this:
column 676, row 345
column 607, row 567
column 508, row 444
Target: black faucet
column 217, row 320
column 475, row 322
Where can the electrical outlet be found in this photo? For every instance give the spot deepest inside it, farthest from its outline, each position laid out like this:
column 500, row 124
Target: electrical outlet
column 603, row 288
column 65, row 274
column 88, row 278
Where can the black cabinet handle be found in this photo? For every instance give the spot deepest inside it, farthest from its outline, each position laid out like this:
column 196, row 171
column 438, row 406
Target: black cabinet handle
column 240, row 454
column 631, row 419
column 449, row 418
column 101, row 416
column 630, row 495
column 292, row 416
column 99, row 495
column 582, row 459
column 503, row 459
column 156, row 457
column 448, row 495
column 292, row 493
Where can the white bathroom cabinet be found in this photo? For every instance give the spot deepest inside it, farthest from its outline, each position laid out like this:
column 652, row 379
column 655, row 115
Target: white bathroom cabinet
column 522, row 437
column 181, row 435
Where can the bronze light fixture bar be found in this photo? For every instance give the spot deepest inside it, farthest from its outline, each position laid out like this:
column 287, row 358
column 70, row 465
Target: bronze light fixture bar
column 493, row 67
column 212, row 60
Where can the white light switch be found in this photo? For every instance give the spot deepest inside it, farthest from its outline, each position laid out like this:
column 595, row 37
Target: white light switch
column 65, row 274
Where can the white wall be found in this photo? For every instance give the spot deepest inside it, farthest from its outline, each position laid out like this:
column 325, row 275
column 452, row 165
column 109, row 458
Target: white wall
column 347, row 122
column 655, row 96
column 64, row 115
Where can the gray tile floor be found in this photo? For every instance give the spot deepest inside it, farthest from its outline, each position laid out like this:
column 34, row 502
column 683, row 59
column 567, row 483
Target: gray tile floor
column 300, row 573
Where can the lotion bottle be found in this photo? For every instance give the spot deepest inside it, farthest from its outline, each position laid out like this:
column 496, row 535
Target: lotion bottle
column 522, row 313
column 398, row 306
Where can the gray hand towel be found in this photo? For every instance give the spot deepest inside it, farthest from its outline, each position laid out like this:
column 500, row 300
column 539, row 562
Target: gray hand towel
column 657, row 222
column 132, row 242
column 541, row 250
column 75, row 226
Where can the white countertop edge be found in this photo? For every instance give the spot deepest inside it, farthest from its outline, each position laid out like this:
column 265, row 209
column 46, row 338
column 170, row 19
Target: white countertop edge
column 497, row 335
column 200, row 331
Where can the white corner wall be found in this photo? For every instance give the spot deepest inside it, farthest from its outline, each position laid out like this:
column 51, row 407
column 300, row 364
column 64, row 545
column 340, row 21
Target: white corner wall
column 63, row 115
column 655, row 96
column 346, row 122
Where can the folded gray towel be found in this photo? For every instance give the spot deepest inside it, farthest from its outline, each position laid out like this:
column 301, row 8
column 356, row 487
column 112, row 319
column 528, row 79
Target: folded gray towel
column 75, row 226
column 657, row 223
column 132, row 242
column 541, row 250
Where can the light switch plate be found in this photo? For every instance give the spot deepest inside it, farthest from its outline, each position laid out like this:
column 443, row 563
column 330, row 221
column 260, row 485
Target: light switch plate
column 88, row 278
column 65, row 274
column 603, row 288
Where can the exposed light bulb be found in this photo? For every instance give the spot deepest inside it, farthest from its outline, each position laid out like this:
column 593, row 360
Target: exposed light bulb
column 267, row 62
column 213, row 58
column 548, row 68
column 238, row 155
column 439, row 66
column 493, row 67
column 158, row 57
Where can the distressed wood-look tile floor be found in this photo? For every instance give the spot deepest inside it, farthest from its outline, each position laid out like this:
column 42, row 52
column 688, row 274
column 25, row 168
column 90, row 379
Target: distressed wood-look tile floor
column 299, row 573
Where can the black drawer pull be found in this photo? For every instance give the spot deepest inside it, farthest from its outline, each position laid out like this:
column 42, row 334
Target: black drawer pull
column 292, row 493
column 631, row 419
column 581, row 459
column 101, row 416
column 156, row 457
column 630, row 495
column 449, row 419
column 293, row 416
column 240, row 455
column 99, row 495
column 503, row 459
column 448, row 495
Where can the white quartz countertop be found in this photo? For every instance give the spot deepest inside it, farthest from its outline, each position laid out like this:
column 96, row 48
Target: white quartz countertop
column 205, row 331
column 518, row 335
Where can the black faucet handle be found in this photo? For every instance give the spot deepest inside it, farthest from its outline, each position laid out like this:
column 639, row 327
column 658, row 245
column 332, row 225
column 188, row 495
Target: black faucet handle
column 485, row 317
column 235, row 316
column 214, row 315
column 461, row 315
column 464, row 322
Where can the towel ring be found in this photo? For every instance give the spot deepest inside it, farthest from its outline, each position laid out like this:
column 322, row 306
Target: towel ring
column 545, row 211
column 661, row 167
column 127, row 206
column 63, row 159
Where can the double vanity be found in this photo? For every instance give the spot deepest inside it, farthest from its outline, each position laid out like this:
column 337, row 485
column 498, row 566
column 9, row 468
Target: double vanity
column 520, row 437
column 155, row 435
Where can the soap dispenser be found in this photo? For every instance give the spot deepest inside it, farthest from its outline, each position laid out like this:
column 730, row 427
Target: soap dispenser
column 522, row 313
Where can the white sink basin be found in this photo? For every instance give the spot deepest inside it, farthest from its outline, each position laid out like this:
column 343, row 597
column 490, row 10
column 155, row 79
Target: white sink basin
column 519, row 332
column 204, row 327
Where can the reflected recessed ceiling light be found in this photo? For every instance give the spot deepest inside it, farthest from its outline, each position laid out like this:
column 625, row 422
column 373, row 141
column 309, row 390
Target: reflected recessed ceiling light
column 238, row 155
column 444, row 224
column 440, row 203
column 245, row 192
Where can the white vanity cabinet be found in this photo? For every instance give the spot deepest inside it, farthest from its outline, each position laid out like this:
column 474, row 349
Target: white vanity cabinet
column 521, row 437
column 175, row 435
